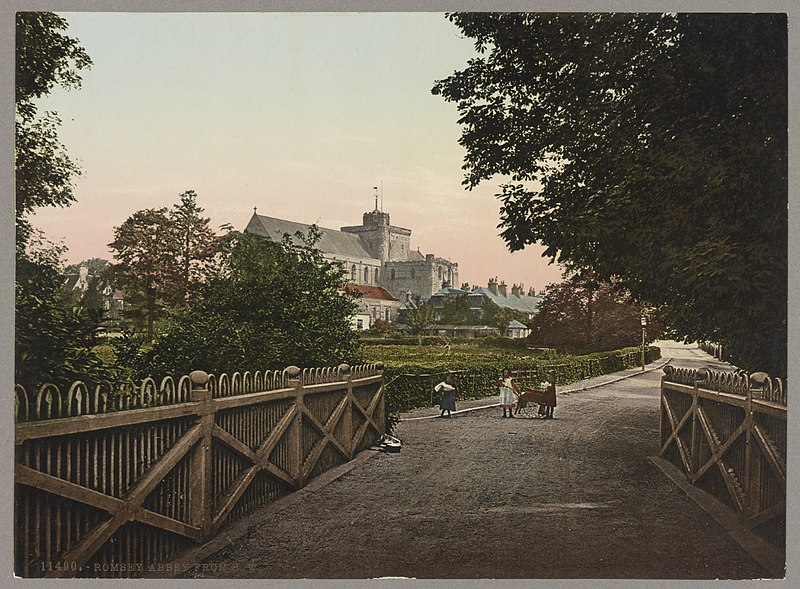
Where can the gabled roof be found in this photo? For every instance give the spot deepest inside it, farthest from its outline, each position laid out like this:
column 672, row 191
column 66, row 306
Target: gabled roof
column 70, row 280
column 514, row 324
column 368, row 291
column 522, row 303
column 332, row 242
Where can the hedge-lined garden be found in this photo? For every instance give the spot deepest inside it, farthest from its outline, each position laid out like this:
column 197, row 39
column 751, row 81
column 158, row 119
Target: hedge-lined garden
column 411, row 372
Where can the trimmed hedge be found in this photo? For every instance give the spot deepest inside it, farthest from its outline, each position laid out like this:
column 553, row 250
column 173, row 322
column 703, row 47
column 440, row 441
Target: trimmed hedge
column 410, row 375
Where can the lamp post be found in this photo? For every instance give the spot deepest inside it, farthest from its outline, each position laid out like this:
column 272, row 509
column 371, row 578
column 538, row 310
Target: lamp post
column 644, row 328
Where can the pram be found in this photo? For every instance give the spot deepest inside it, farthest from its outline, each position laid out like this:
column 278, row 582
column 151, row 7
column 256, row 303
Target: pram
column 534, row 402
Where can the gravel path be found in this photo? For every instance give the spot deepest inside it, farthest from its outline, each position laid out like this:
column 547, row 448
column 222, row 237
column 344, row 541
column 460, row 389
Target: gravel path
column 478, row 496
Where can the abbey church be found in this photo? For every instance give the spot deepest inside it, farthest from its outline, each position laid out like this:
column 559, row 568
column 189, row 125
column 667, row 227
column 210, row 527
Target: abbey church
column 375, row 253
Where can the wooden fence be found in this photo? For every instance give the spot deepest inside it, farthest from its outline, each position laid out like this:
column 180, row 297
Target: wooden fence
column 114, row 482
column 727, row 433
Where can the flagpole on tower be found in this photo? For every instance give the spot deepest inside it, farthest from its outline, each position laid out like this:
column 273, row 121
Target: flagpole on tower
column 375, row 188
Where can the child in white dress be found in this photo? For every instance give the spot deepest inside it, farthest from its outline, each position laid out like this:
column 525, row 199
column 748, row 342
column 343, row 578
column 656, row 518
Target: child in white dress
column 508, row 393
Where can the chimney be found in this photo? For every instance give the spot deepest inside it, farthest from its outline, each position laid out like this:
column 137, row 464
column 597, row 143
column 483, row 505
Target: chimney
column 493, row 286
column 465, row 287
column 503, row 289
column 531, row 292
column 516, row 290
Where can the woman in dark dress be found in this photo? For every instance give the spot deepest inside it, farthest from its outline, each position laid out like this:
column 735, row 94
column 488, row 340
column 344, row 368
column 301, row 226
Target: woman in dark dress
column 448, row 389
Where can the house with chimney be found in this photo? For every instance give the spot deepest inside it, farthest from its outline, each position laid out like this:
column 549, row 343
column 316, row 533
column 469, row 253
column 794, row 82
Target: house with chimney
column 516, row 300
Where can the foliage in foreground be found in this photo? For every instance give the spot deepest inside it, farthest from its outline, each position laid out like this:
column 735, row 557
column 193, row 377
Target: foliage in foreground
column 50, row 340
column 649, row 148
column 268, row 305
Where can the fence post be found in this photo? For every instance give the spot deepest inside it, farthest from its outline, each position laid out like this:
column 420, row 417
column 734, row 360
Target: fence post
column 295, row 435
column 752, row 466
column 694, row 450
column 344, row 369
column 200, row 466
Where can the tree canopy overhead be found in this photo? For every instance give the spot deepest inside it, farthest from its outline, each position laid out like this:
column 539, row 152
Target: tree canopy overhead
column 45, row 57
column 650, row 149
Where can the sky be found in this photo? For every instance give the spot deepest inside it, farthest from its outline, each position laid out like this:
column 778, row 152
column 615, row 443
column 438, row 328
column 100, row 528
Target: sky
column 297, row 114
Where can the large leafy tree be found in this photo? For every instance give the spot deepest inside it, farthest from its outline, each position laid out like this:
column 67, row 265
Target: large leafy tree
column 195, row 244
column 50, row 342
column 581, row 315
column 51, row 334
column 265, row 306
column 146, row 266
column 650, row 149
column 45, row 57
column 162, row 256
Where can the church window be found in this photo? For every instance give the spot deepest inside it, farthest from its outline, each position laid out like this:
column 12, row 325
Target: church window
column 392, row 274
column 413, row 274
column 440, row 272
column 353, row 273
column 376, row 275
column 366, row 275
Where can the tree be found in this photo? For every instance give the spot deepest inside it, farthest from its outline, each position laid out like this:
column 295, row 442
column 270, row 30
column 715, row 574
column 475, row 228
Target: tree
column 581, row 315
column 418, row 319
column 49, row 346
column 162, row 256
column 146, row 266
column 43, row 170
column 504, row 316
column 196, row 244
column 266, row 305
column 50, row 336
column 455, row 310
column 650, row 149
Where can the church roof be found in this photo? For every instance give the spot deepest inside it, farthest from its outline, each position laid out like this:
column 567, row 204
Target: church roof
column 332, row 242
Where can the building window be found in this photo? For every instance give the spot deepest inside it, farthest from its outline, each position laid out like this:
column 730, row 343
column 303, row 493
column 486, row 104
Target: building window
column 413, row 274
column 387, row 316
column 366, row 275
column 440, row 272
column 360, row 323
column 376, row 275
column 392, row 274
column 353, row 273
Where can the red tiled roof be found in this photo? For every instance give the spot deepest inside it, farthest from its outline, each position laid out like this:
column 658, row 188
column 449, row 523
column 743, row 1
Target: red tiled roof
column 370, row 292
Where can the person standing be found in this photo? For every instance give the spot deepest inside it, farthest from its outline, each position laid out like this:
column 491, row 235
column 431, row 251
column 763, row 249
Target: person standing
column 550, row 398
column 508, row 393
column 448, row 388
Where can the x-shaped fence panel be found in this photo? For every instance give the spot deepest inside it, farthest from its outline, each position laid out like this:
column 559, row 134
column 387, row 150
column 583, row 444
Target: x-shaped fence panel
column 731, row 445
column 118, row 492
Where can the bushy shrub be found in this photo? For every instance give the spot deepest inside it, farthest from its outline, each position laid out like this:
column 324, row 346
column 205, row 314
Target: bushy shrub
column 412, row 372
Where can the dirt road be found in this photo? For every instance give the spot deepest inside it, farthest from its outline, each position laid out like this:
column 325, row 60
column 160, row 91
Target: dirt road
column 478, row 496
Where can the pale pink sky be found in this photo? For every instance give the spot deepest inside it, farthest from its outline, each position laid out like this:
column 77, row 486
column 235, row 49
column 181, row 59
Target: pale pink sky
column 297, row 114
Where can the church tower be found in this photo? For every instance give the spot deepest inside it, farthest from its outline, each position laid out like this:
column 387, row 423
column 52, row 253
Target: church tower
column 383, row 241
